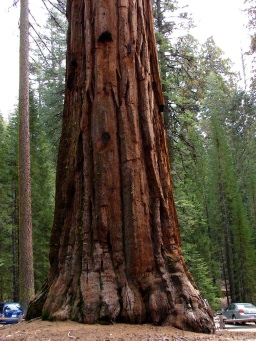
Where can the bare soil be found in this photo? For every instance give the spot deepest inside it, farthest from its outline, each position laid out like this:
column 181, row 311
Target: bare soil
column 58, row 331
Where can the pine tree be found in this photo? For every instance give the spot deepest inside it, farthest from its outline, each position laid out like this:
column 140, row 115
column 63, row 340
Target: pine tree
column 43, row 187
column 183, row 85
column 48, row 76
column 9, row 275
column 227, row 214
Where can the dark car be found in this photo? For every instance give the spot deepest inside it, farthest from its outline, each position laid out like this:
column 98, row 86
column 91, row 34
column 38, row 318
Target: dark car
column 240, row 311
column 10, row 312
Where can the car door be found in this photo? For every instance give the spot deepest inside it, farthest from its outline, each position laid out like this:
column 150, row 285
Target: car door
column 229, row 311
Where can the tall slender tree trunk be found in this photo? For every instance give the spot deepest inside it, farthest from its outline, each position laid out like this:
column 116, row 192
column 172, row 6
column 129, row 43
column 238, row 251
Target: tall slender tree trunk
column 26, row 272
column 115, row 245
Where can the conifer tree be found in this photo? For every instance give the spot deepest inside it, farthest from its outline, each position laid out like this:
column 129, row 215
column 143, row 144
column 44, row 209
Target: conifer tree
column 48, row 76
column 43, row 186
column 227, row 212
column 9, row 281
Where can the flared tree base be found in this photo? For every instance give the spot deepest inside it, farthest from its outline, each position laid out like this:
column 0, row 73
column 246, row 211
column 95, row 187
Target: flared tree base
column 180, row 306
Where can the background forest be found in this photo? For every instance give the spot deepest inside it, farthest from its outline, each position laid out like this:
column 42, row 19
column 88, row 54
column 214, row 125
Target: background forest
column 210, row 120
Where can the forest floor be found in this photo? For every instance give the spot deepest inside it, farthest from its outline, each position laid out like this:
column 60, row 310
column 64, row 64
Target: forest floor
column 38, row 330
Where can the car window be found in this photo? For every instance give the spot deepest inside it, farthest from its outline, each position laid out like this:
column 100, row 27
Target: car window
column 241, row 306
column 14, row 306
column 248, row 305
column 1, row 306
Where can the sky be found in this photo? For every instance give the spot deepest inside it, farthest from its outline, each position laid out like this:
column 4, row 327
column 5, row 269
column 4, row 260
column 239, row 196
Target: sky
column 9, row 58
column 225, row 21
column 221, row 19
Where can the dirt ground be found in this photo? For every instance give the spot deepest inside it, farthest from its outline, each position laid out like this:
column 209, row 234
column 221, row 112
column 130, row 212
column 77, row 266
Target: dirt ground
column 38, row 330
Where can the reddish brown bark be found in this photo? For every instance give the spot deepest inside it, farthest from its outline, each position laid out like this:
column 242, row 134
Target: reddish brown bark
column 115, row 246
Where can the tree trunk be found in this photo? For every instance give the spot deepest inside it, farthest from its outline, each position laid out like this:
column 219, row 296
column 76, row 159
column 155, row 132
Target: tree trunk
column 115, row 245
column 26, row 272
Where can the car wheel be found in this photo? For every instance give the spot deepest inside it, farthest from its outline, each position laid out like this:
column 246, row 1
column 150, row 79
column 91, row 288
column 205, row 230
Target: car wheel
column 233, row 318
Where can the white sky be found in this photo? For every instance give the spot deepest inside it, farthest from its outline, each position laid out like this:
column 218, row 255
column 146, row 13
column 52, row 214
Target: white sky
column 225, row 21
column 9, row 57
column 221, row 19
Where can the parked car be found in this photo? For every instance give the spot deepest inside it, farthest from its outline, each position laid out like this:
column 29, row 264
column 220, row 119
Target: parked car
column 10, row 312
column 240, row 311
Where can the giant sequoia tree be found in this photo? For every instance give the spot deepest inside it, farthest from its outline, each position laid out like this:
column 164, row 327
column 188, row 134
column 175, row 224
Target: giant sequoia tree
column 115, row 245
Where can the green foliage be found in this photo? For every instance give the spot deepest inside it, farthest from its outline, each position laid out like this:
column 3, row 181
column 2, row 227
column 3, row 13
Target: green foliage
column 202, row 275
column 227, row 212
column 43, row 186
column 46, row 101
column 211, row 138
column 48, row 75
column 8, row 210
